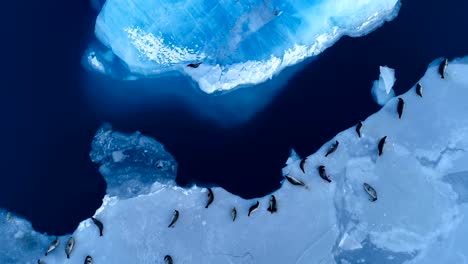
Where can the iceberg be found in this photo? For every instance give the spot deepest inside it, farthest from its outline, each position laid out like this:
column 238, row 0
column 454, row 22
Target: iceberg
column 382, row 90
column 238, row 43
column 420, row 215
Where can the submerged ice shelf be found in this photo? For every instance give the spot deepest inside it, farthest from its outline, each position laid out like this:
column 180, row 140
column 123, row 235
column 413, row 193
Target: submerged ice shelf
column 238, row 42
column 420, row 215
column 131, row 163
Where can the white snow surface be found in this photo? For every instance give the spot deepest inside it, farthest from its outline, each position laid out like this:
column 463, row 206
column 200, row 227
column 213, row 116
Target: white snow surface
column 382, row 90
column 420, row 215
column 239, row 42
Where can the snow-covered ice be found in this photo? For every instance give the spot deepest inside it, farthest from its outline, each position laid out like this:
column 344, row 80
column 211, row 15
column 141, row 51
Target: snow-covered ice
column 239, row 42
column 420, row 215
column 382, row 90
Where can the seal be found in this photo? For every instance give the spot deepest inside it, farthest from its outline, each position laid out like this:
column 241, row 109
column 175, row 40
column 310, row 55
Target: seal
column 358, row 128
column 88, row 260
column 69, row 246
column 419, row 89
column 210, row 197
column 295, row 181
column 194, row 65
column 381, row 145
column 371, row 191
column 53, row 245
column 323, row 173
column 332, row 148
column 168, row 259
column 233, row 214
column 253, row 208
column 301, row 165
column 443, row 68
column 401, row 105
column 175, row 216
column 99, row 225
column 272, row 206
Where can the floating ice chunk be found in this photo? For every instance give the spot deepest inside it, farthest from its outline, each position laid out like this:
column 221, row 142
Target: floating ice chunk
column 293, row 157
column 131, row 163
column 382, row 90
column 239, row 42
column 421, row 216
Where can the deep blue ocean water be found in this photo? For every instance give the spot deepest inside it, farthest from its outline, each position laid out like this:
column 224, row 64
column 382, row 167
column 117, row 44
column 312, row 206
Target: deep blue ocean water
column 51, row 107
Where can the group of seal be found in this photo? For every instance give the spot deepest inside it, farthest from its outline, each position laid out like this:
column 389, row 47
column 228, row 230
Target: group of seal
column 380, row 146
column 71, row 244
column 419, row 89
column 272, row 208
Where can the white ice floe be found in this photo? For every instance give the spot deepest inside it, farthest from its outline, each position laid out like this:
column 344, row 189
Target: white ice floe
column 239, row 42
column 420, row 215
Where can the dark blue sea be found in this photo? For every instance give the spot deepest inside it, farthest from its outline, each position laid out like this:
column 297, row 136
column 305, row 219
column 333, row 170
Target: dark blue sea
column 51, row 107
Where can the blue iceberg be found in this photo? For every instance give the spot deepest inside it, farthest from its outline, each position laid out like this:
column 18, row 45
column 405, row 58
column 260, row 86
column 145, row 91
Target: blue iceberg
column 237, row 42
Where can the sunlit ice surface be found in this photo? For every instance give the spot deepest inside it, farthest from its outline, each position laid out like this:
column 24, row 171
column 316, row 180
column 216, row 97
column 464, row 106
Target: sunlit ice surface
column 238, row 43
